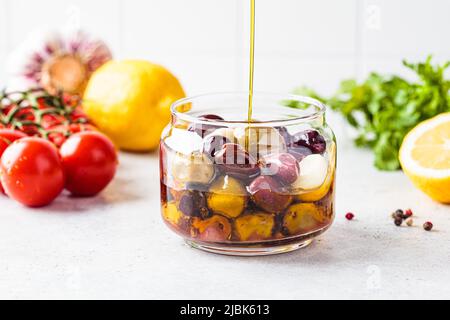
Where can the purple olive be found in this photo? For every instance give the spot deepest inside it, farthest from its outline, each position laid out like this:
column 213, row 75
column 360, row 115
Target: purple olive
column 233, row 160
column 283, row 167
column 193, row 204
column 299, row 152
column 186, row 204
column 269, row 194
column 203, row 129
column 164, row 194
column 285, row 134
column 211, row 117
column 311, row 139
column 214, row 143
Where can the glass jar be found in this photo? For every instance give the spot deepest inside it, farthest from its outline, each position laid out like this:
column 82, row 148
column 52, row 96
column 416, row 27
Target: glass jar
column 235, row 187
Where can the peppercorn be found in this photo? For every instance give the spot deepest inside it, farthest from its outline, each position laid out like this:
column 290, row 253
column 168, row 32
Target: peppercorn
column 408, row 214
column 428, row 226
column 409, row 222
column 397, row 214
column 398, row 221
column 349, row 216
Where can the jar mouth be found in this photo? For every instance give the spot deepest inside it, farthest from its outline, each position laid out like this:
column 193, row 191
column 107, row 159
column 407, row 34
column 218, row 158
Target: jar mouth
column 310, row 109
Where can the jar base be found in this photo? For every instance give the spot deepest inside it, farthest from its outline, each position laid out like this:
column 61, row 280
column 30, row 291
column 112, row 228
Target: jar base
column 249, row 251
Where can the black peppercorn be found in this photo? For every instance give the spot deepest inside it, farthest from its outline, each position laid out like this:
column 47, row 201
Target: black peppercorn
column 398, row 214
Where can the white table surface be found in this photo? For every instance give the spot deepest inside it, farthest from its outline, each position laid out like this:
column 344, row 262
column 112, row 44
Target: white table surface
column 116, row 246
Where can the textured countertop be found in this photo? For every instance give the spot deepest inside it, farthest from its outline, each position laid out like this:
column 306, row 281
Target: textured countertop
column 116, row 246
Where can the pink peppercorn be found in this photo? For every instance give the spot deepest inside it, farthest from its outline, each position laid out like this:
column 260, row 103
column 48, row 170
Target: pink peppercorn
column 408, row 213
column 349, row 216
column 428, row 226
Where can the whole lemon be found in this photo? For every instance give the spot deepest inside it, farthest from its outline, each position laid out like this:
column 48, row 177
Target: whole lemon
column 130, row 102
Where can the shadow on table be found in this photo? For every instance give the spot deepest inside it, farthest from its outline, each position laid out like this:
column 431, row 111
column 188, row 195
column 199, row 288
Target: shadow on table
column 117, row 193
column 335, row 247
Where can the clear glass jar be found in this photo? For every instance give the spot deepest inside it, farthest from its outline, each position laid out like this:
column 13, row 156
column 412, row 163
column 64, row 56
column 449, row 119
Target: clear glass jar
column 233, row 187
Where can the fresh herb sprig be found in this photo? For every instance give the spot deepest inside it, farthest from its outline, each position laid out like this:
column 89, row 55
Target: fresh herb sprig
column 383, row 109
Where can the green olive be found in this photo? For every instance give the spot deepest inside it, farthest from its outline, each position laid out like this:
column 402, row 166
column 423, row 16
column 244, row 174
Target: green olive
column 227, row 196
column 303, row 218
column 256, row 226
column 171, row 213
column 193, row 168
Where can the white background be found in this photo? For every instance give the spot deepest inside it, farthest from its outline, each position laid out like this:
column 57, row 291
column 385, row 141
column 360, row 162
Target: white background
column 205, row 42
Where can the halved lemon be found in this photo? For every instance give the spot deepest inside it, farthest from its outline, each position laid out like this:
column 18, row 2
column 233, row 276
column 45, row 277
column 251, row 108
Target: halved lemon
column 425, row 157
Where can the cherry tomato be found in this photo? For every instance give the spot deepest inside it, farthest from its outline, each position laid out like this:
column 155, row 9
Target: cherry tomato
column 31, row 171
column 78, row 114
column 51, row 120
column 25, row 113
column 58, row 135
column 90, row 160
column 7, row 137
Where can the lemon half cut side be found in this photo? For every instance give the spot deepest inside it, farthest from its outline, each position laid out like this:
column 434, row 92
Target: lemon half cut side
column 425, row 157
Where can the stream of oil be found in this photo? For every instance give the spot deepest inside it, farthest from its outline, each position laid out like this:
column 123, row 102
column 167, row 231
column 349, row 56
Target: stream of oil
column 252, row 60
column 251, row 71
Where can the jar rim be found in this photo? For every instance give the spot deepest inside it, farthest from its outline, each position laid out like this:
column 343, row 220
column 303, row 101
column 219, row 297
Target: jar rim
column 319, row 111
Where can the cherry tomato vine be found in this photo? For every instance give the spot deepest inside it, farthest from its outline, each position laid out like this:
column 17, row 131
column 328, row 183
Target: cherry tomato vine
column 84, row 161
column 38, row 113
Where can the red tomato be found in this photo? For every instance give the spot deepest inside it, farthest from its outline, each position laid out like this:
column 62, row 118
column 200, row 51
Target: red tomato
column 31, row 171
column 51, row 120
column 25, row 113
column 7, row 137
column 58, row 134
column 90, row 160
column 78, row 114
